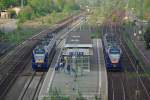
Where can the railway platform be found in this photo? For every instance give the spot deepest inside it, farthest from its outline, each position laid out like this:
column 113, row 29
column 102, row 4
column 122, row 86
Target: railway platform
column 89, row 85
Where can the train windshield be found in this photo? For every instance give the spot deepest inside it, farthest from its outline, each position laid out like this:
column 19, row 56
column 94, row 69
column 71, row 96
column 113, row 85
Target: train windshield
column 39, row 51
column 114, row 51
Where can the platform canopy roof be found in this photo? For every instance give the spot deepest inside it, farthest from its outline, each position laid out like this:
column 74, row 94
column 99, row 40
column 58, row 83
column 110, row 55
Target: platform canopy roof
column 78, row 40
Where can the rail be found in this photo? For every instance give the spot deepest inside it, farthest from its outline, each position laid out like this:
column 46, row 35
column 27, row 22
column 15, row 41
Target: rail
column 137, row 65
column 16, row 70
column 27, row 88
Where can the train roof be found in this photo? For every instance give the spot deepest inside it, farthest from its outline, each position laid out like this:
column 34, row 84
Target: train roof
column 110, row 37
column 45, row 42
column 39, row 47
column 110, row 40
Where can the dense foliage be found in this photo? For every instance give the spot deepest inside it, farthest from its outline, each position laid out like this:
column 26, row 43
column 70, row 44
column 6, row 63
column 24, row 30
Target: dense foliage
column 4, row 4
column 140, row 7
column 37, row 8
column 41, row 13
column 147, row 38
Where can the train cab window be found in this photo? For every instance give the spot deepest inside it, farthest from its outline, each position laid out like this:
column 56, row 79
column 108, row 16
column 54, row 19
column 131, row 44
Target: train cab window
column 39, row 51
column 114, row 51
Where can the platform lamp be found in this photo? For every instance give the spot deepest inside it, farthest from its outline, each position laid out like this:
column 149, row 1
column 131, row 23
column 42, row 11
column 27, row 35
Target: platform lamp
column 98, row 27
column 74, row 57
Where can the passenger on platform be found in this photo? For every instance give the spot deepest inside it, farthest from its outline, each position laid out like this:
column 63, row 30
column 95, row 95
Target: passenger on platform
column 62, row 59
column 57, row 67
column 61, row 65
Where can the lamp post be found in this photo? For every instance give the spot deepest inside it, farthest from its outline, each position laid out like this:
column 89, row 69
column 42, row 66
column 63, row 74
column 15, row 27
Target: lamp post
column 141, row 9
column 137, row 92
column 127, row 4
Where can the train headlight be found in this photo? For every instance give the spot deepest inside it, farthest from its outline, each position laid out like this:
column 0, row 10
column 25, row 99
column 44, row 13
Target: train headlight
column 39, row 61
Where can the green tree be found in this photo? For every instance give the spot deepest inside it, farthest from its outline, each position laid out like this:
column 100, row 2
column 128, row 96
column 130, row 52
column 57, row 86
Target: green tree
column 59, row 5
column 147, row 37
column 41, row 6
column 38, row 8
column 8, row 3
column 25, row 14
column 2, row 5
column 72, row 4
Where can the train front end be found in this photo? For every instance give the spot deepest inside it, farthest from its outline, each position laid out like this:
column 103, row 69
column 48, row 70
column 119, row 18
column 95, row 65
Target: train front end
column 114, row 58
column 39, row 59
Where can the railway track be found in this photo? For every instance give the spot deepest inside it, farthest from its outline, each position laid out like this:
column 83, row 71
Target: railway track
column 135, row 87
column 133, row 82
column 34, row 83
column 141, row 83
column 56, row 60
column 4, row 48
column 14, row 70
column 32, row 87
column 116, row 86
column 18, row 55
column 134, row 79
column 116, row 80
column 14, row 64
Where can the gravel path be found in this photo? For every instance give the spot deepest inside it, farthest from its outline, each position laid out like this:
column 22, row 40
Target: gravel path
column 8, row 25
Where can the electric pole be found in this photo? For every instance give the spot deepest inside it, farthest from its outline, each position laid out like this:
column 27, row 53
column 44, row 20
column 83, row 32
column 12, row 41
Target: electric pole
column 141, row 9
column 22, row 2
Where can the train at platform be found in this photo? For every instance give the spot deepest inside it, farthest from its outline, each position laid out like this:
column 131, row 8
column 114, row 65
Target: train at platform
column 112, row 52
column 43, row 53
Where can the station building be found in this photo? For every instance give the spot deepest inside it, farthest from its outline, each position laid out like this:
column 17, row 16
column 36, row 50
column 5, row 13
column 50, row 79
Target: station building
column 77, row 50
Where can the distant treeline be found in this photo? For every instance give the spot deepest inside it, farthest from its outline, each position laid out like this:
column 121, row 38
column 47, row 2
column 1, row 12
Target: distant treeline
column 35, row 8
column 4, row 4
column 55, row 4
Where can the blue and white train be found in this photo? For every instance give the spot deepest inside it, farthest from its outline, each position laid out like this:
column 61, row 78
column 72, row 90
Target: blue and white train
column 43, row 53
column 112, row 52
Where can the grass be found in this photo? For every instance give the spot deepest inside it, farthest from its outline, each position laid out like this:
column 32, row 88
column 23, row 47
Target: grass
column 137, row 55
column 95, row 34
column 56, row 98
column 32, row 27
column 134, row 75
column 56, row 94
column 55, row 17
column 133, row 49
column 21, row 34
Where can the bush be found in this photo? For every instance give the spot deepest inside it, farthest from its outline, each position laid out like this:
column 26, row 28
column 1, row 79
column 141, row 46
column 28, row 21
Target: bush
column 25, row 14
column 114, row 18
column 12, row 13
column 1, row 33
